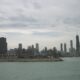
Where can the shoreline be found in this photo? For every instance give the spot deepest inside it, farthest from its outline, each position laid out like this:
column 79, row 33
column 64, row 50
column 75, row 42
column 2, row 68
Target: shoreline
column 31, row 60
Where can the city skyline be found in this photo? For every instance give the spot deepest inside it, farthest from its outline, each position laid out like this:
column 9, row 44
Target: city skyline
column 63, row 47
column 57, row 45
column 47, row 22
column 34, row 50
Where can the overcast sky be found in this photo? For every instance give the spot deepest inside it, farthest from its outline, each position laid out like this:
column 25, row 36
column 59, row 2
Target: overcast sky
column 48, row 22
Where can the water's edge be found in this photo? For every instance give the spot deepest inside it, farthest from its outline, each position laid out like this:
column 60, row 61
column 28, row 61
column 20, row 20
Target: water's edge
column 31, row 60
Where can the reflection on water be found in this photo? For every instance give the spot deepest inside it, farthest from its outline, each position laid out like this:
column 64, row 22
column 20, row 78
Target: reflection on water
column 69, row 69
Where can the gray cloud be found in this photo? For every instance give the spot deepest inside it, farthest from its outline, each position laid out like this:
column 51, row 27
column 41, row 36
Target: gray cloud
column 40, row 14
column 31, row 21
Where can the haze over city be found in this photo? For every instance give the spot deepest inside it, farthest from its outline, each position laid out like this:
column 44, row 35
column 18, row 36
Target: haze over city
column 47, row 22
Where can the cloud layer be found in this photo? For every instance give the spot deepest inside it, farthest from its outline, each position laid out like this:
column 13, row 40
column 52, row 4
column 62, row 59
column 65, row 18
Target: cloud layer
column 44, row 18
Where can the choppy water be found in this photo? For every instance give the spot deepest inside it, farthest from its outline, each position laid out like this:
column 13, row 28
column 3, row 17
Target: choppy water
column 69, row 69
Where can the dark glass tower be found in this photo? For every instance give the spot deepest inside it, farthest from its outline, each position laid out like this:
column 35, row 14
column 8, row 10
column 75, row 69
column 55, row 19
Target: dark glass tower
column 65, row 48
column 37, row 47
column 3, row 46
column 61, row 47
column 19, row 52
column 77, row 45
column 71, row 44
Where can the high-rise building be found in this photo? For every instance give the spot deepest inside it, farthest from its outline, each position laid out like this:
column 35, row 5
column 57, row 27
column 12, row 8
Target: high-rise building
column 71, row 50
column 19, row 50
column 37, row 47
column 45, row 50
column 20, row 46
column 71, row 44
column 65, row 49
column 3, row 46
column 77, row 45
column 33, row 50
column 61, row 47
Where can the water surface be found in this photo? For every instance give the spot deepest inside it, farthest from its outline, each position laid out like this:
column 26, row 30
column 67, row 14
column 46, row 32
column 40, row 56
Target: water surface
column 69, row 69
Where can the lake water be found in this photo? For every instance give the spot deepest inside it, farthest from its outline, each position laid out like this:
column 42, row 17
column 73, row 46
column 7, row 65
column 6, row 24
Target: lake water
column 69, row 69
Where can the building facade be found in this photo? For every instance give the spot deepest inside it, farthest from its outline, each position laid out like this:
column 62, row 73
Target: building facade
column 77, row 45
column 72, row 50
column 3, row 46
column 65, row 49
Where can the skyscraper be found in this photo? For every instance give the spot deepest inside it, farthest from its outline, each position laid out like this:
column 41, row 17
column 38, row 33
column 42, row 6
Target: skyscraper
column 37, row 49
column 61, row 47
column 71, row 50
column 33, row 50
column 71, row 44
column 45, row 50
column 3, row 46
column 19, row 50
column 20, row 46
column 65, row 49
column 77, row 45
